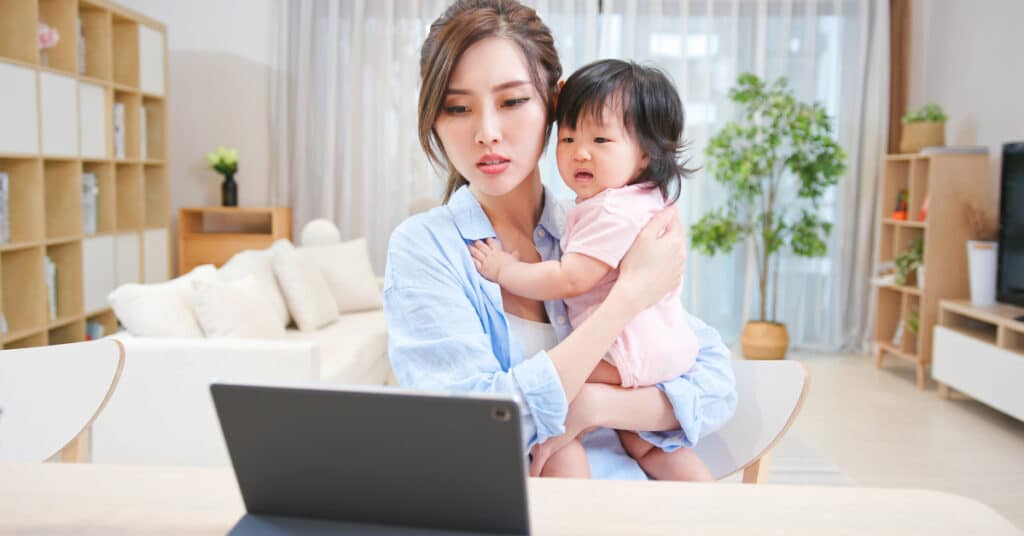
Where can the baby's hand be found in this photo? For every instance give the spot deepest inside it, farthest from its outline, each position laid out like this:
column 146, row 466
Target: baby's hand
column 489, row 258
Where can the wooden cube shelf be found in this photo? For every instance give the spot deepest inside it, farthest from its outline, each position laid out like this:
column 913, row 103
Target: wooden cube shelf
column 59, row 125
column 129, row 197
column 97, row 32
column 18, row 34
column 61, row 15
column 26, row 217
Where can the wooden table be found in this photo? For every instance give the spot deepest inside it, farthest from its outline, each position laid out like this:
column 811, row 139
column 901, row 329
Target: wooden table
column 124, row 499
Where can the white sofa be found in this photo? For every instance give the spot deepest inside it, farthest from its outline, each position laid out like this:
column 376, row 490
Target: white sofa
column 161, row 412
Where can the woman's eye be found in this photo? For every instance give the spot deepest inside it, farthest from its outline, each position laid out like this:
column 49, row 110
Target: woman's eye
column 515, row 102
column 601, row 140
column 456, row 110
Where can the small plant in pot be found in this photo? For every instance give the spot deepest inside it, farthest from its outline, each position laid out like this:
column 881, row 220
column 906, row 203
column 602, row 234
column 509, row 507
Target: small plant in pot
column 982, row 254
column 225, row 162
column 909, row 261
column 777, row 138
column 924, row 127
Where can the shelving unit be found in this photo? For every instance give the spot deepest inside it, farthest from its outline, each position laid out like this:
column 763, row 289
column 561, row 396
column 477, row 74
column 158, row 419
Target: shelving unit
column 212, row 235
column 979, row 351
column 950, row 183
column 58, row 125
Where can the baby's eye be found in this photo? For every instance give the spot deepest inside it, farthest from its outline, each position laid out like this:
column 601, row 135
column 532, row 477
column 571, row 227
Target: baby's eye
column 456, row 110
column 515, row 102
column 601, row 140
column 566, row 139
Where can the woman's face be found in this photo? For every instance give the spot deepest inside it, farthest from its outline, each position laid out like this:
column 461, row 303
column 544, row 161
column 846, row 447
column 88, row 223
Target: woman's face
column 492, row 120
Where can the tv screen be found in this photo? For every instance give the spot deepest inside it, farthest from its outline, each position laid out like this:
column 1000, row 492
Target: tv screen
column 1010, row 282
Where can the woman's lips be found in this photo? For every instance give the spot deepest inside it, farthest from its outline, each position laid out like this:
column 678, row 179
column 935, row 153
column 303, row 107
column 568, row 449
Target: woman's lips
column 492, row 164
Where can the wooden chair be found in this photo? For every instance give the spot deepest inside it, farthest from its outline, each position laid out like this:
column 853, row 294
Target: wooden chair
column 770, row 394
column 49, row 396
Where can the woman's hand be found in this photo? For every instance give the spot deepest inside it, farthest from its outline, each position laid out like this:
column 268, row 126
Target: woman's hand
column 581, row 418
column 654, row 265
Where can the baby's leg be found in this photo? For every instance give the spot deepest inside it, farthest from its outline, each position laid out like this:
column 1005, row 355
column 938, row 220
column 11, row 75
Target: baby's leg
column 568, row 462
column 681, row 464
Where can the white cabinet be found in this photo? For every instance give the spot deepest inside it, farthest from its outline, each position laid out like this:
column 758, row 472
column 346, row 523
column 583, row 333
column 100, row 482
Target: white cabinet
column 151, row 60
column 19, row 126
column 59, row 114
column 93, row 120
column 98, row 278
column 127, row 257
column 155, row 251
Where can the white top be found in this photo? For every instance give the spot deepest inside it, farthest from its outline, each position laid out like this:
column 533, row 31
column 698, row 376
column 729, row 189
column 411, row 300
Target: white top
column 532, row 336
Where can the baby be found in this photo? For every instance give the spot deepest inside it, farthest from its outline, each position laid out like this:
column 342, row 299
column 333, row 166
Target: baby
column 619, row 141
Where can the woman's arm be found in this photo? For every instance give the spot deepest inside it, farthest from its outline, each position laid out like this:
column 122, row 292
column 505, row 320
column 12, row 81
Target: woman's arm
column 567, row 277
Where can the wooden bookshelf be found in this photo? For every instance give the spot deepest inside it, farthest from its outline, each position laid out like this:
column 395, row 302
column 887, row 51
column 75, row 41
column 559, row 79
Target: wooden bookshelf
column 59, row 125
column 212, row 235
column 950, row 183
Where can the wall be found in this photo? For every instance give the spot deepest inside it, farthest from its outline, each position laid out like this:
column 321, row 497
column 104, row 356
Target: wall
column 219, row 57
column 967, row 56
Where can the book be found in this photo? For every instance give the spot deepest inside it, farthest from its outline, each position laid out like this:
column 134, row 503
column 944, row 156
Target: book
column 81, row 48
column 953, row 149
column 90, row 210
column 142, row 133
column 119, row 129
column 50, row 275
column 5, row 209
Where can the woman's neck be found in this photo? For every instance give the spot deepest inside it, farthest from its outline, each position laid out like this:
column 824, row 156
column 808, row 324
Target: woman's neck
column 519, row 210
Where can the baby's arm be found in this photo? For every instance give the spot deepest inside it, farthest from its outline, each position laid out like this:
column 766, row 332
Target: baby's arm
column 571, row 276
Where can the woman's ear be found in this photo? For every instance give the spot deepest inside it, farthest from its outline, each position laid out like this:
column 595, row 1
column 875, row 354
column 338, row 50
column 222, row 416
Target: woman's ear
column 554, row 98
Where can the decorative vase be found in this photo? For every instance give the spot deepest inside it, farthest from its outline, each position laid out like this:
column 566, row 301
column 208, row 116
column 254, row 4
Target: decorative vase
column 44, row 58
column 920, row 277
column 917, row 136
column 764, row 340
column 982, row 261
column 229, row 191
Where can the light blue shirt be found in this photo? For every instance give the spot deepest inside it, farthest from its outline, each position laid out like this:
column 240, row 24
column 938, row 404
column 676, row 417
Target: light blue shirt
column 447, row 331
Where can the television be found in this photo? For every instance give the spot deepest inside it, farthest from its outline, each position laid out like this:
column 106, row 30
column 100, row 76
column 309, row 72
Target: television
column 1010, row 278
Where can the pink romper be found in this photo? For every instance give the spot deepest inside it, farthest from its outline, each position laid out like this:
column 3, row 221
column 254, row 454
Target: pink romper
column 658, row 344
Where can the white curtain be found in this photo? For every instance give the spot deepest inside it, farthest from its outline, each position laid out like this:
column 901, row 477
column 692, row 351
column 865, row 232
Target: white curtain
column 343, row 114
column 344, row 125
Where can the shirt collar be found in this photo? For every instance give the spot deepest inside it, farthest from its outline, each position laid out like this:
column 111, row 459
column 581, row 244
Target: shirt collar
column 473, row 223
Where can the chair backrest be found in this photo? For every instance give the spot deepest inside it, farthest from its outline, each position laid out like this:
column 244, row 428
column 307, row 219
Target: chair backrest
column 769, row 397
column 50, row 394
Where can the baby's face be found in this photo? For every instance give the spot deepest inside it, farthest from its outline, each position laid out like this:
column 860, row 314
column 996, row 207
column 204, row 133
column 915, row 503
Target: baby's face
column 596, row 156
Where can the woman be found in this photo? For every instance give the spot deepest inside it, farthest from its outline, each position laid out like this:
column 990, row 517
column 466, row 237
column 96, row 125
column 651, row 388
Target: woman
column 490, row 74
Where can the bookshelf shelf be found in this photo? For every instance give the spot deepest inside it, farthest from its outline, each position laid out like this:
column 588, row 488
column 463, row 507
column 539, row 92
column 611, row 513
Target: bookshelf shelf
column 945, row 184
column 68, row 196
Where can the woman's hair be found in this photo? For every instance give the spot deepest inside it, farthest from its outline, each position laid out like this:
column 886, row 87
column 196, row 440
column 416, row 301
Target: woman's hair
column 651, row 112
column 464, row 23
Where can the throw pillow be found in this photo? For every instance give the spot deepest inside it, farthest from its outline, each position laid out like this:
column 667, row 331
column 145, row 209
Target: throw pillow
column 161, row 309
column 260, row 264
column 305, row 291
column 236, row 308
column 349, row 274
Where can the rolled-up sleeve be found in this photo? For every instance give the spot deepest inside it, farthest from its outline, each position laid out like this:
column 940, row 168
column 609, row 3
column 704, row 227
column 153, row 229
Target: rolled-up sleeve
column 704, row 398
column 439, row 339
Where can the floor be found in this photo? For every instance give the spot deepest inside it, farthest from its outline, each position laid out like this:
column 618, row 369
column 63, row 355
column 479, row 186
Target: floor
column 883, row 432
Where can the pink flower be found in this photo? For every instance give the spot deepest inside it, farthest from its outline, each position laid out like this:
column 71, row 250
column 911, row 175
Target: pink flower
column 48, row 37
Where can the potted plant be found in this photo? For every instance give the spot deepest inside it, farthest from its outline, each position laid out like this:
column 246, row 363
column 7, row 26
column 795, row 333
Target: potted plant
column 909, row 261
column 924, row 127
column 47, row 39
column 225, row 162
column 982, row 254
column 777, row 138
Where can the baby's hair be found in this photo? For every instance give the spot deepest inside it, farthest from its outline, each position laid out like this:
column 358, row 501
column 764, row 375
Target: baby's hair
column 651, row 112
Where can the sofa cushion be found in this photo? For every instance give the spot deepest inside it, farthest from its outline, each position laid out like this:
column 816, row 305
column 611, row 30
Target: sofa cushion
column 161, row 309
column 353, row 350
column 236, row 308
column 260, row 264
column 347, row 269
column 305, row 291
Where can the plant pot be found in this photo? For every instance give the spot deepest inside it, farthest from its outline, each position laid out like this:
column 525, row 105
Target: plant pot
column 917, row 136
column 920, row 277
column 982, row 260
column 229, row 191
column 764, row 340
